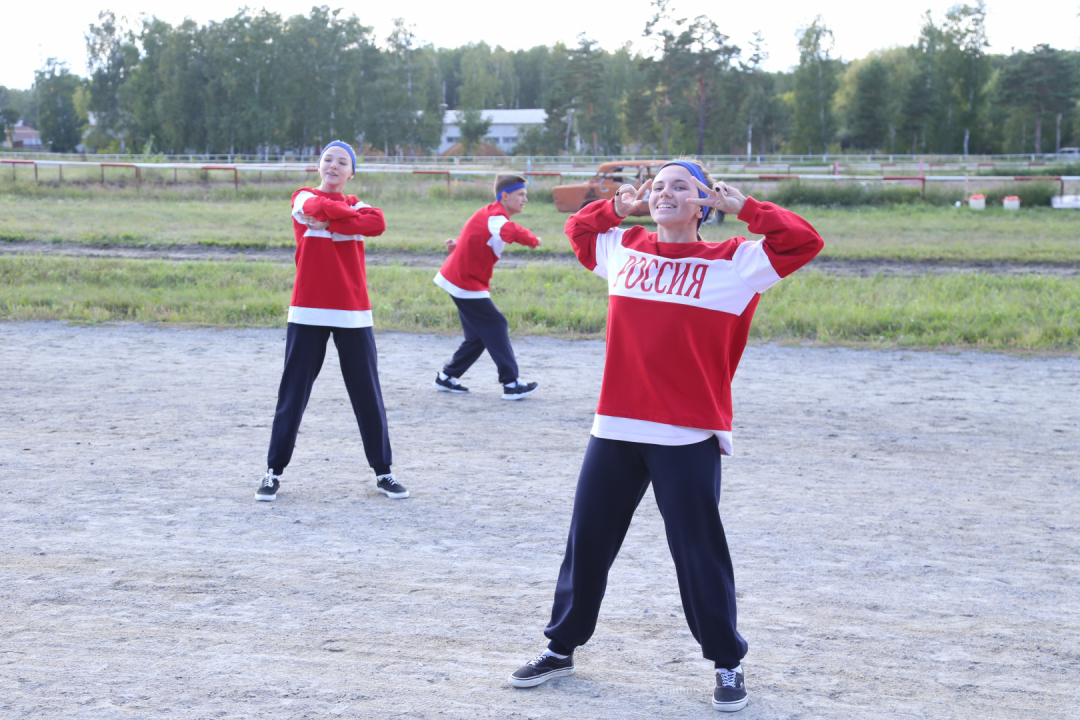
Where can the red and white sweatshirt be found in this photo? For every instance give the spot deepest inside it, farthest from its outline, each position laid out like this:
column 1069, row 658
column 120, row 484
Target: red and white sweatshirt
column 678, row 318
column 467, row 272
column 331, row 278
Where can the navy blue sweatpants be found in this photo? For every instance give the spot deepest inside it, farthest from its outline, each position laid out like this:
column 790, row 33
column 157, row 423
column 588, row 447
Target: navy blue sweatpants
column 485, row 328
column 305, row 349
column 686, row 483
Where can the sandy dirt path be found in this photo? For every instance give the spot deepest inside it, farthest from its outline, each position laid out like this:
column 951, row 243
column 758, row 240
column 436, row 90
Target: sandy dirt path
column 905, row 529
column 861, row 267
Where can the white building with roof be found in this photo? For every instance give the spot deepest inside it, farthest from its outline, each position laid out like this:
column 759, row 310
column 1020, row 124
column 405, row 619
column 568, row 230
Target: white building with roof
column 24, row 137
column 506, row 126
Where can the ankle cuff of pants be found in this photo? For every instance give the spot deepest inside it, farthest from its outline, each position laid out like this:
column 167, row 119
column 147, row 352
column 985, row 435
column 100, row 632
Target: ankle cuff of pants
column 557, row 647
column 382, row 470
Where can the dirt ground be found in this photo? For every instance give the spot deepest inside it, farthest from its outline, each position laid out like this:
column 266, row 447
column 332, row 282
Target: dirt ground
column 862, row 267
column 904, row 526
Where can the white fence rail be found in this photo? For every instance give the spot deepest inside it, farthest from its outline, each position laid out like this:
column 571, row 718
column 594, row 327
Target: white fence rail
column 758, row 159
column 237, row 168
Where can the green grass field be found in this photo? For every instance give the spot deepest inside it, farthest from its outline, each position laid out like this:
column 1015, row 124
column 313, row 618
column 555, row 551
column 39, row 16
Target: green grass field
column 962, row 310
column 417, row 220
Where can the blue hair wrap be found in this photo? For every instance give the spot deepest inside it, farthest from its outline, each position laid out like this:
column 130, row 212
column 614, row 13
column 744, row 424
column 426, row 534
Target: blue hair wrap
column 509, row 189
column 348, row 149
column 696, row 172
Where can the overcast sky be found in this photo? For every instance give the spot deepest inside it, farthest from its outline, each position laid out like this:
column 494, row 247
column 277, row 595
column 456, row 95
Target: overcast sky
column 35, row 32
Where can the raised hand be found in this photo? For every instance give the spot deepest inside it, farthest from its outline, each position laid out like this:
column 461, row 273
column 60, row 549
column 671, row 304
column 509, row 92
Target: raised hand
column 627, row 199
column 720, row 196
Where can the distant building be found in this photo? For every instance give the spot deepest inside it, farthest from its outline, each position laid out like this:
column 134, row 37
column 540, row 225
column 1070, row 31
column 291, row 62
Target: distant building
column 24, row 137
column 506, row 126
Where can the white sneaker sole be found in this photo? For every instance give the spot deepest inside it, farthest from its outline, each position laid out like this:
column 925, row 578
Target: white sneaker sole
column 730, row 706
column 540, row 679
column 265, row 498
column 395, row 496
column 440, row 388
column 520, row 396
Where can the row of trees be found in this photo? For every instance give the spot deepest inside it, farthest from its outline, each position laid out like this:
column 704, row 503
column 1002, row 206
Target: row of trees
column 261, row 83
column 946, row 93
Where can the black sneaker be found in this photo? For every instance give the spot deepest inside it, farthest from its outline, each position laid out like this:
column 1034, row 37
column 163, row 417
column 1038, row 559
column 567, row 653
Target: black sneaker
column 542, row 668
column 730, row 693
column 519, row 391
column 450, row 384
column 268, row 487
column 390, row 487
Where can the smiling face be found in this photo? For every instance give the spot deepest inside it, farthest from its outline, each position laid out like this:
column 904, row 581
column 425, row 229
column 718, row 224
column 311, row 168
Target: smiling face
column 515, row 202
column 335, row 169
column 671, row 188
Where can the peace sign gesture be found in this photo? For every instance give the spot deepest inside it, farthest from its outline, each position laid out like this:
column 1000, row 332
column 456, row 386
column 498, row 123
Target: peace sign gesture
column 720, row 196
column 627, row 199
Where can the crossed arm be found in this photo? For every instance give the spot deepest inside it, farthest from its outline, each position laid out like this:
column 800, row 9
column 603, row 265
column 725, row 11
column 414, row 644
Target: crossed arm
column 348, row 217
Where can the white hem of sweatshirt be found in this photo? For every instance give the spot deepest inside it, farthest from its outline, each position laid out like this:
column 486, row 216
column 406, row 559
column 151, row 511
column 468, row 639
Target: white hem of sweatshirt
column 330, row 318
column 654, row 433
column 458, row 292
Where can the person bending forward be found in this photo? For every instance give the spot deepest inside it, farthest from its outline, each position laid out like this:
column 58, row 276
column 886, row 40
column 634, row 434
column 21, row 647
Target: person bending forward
column 466, row 276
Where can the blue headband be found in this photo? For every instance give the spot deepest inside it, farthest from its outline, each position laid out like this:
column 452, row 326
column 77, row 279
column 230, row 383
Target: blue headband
column 509, row 189
column 348, row 149
column 696, row 172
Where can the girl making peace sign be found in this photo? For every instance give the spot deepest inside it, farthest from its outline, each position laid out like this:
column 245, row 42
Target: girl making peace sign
column 678, row 318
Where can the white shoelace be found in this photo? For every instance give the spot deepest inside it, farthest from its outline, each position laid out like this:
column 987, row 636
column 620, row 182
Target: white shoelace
column 536, row 660
column 268, row 481
column 727, row 677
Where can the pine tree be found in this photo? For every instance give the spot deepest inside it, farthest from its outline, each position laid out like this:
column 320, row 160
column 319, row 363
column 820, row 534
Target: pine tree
column 815, row 84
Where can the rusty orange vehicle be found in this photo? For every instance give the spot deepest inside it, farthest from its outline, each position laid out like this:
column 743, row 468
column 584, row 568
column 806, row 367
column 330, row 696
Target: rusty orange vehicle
column 610, row 176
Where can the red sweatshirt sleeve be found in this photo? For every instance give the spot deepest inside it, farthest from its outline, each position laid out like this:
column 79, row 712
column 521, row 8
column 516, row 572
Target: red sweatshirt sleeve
column 512, row 232
column 790, row 242
column 324, row 209
column 586, row 224
column 368, row 222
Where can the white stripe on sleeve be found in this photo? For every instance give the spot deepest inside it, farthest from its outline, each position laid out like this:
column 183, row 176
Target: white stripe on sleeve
column 604, row 244
column 496, row 243
column 336, row 237
column 298, row 208
column 753, row 266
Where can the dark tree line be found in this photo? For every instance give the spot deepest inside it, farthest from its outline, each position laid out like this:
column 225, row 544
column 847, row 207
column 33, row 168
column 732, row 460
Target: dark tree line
column 260, row 83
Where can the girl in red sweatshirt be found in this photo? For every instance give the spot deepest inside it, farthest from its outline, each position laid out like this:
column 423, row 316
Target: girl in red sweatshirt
column 678, row 317
column 330, row 298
